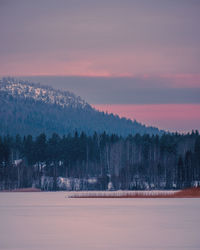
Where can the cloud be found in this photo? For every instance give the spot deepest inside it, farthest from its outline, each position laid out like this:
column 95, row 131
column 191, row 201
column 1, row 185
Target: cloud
column 172, row 117
column 124, row 90
column 119, row 38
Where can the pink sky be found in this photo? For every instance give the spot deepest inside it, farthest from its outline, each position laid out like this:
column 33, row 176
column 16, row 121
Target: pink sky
column 173, row 117
column 154, row 43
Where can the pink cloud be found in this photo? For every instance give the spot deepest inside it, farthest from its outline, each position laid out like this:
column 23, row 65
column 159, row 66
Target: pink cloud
column 173, row 117
column 50, row 67
column 142, row 64
column 183, row 80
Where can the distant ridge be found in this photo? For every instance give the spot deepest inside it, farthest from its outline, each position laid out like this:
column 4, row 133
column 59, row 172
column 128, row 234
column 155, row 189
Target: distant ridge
column 29, row 108
column 46, row 94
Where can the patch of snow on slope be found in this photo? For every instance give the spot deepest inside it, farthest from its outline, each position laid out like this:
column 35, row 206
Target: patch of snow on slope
column 25, row 89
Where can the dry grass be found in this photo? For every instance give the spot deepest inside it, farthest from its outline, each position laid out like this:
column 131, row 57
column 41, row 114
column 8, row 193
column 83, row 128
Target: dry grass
column 185, row 193
column 188, row 193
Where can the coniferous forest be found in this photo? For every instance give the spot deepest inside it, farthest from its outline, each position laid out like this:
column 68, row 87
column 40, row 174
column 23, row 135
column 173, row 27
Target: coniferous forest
column 100, row 161
column 28, row 108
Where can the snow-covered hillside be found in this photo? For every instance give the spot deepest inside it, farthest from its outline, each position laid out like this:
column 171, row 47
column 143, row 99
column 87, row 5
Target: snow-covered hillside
column 26, row 89
column 29, row 108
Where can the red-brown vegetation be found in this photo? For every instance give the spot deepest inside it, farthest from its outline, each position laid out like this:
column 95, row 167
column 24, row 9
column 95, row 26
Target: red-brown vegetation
column 185, row 193
column 188, row 193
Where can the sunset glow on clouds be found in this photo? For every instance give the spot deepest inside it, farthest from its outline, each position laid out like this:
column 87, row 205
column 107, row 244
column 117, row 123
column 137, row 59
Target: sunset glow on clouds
column 116, row 52
column 99, row 38
column 171, row 117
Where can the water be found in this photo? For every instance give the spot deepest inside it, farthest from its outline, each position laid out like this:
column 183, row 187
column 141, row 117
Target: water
column 41, row 221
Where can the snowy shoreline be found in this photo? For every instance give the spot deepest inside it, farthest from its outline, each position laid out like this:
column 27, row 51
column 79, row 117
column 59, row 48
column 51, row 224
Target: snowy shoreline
column 185, row 193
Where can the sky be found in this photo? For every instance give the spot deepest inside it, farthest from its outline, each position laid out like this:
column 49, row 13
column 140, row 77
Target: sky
column 139, row 59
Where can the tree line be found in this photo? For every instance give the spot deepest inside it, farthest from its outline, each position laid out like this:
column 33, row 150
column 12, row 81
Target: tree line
column 134, row 162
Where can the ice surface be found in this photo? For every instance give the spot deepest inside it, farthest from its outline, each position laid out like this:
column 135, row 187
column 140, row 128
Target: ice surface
column 41, row 221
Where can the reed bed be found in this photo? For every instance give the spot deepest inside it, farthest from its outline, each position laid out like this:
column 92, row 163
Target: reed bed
column 122, row 194
column 185, row 193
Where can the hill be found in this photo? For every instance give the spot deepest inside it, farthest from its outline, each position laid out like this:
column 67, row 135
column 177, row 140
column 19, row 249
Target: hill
column 28, row 108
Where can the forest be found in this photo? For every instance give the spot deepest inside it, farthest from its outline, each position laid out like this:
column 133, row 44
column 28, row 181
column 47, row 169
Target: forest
column 100, row 161
column 23, row 111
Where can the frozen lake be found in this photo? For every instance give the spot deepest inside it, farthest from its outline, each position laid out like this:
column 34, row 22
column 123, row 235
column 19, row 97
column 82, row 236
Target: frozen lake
column 49, row 221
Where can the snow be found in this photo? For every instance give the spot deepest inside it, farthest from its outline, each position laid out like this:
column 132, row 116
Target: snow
column 110, row 186
column 67, row 183
column 17, row 162
column 49, row 221
column 37, row 92
column 92, row 180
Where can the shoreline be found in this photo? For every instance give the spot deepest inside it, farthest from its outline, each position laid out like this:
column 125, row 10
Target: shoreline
column 21, row 190
column 155, row 194
column 185, row 193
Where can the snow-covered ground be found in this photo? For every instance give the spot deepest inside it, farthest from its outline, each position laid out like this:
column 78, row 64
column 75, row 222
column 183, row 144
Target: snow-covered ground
column 49, row 221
